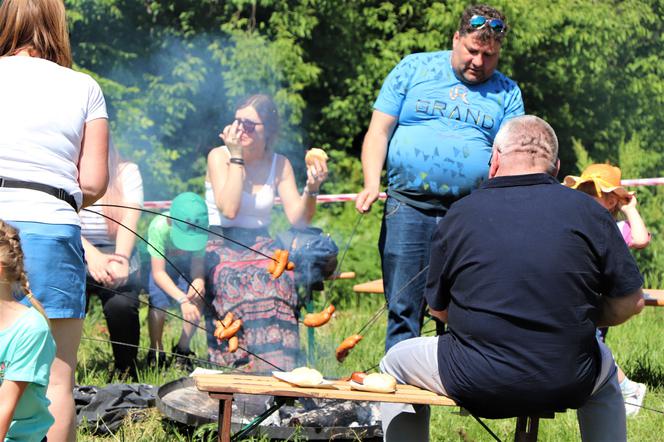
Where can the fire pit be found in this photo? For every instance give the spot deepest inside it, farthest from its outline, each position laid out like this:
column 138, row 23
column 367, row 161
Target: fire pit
column 312, row 419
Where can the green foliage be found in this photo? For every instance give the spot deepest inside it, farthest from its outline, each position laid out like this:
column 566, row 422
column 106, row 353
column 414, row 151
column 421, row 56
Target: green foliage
column 173, row 70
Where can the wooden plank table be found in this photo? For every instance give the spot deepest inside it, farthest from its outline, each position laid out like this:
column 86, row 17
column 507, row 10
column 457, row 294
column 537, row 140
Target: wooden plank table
column 653, row 297
column 224, row 386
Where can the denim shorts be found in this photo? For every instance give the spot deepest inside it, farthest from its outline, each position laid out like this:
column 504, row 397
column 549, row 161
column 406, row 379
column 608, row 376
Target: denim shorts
column 55, row 267
column 158, row 298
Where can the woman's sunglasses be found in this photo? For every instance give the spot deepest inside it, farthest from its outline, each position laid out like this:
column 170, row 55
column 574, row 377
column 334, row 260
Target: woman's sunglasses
column 480, row 21
column 247, row 125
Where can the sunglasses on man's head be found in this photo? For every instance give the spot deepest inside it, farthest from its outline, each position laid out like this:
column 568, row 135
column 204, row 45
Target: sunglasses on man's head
column 247, row 125
column 480, row 21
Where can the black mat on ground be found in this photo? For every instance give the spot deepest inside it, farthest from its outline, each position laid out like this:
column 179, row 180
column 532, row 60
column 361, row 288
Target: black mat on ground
column 101, row 410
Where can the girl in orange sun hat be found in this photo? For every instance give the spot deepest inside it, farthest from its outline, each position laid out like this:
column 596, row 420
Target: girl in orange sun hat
column 602, row 182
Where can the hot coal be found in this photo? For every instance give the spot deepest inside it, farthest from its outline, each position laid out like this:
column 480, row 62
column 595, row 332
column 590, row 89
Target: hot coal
column 335, row 414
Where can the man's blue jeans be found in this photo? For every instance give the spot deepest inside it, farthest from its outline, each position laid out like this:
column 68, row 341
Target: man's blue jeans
column 405, row 246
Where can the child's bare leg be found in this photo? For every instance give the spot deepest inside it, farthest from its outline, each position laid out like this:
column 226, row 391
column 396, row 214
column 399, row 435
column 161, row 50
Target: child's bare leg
column 67, row 334
column 156, row 319
column 188, row 331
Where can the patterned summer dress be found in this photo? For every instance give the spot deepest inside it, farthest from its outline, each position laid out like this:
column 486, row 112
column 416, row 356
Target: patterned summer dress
column 237, row 280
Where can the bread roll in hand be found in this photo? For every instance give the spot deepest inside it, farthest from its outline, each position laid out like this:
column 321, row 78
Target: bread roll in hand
column 314, row 154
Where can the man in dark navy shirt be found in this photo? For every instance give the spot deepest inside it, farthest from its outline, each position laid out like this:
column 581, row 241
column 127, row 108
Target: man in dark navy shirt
column 523, row 270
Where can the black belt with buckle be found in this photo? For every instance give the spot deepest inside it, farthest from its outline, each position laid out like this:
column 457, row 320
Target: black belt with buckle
column 51, row 190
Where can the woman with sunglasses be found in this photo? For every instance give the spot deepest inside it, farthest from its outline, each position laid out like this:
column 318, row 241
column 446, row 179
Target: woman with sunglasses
column 243, row 178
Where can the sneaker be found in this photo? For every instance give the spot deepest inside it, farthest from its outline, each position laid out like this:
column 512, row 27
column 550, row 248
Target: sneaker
column 634, row 399
column 154, row 359
column 182, row 359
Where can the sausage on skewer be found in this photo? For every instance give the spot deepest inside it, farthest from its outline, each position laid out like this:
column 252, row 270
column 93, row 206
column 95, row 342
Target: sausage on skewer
column 346, row 345
column 318, row 319
column 233, row 344
column 279, row 264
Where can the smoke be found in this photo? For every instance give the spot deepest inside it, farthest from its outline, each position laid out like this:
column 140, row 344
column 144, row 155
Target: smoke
column 168, row 108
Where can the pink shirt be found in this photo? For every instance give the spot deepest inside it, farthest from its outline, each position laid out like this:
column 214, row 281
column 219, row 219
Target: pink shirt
column 626, row 231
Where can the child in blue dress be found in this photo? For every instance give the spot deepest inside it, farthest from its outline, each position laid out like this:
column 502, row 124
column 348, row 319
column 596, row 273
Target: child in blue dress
column 27, row 350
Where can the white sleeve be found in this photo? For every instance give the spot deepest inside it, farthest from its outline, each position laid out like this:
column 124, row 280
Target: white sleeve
column 96, row 102
column 132, row 183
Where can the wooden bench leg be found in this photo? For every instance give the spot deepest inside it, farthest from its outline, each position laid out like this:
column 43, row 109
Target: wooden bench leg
column 225, row 413
column 526, row 429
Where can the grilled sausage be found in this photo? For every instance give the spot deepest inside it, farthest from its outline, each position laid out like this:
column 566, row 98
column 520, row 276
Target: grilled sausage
column 230, row 330
column 281, row 264
column 318, row 319
column 346, row 345
column 228, row 320
column 233, row 344
column 358, row 376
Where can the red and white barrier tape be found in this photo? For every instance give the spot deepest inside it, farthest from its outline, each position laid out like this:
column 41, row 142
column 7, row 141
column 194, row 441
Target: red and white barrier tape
column 643, row 182
column 331, row 198
column 343, row 197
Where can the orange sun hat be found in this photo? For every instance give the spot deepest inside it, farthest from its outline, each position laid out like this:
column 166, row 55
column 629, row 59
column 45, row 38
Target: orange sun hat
column 605, row 177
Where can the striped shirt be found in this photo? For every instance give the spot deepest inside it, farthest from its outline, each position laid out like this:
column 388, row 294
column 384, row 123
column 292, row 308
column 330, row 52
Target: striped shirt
column 94, row 227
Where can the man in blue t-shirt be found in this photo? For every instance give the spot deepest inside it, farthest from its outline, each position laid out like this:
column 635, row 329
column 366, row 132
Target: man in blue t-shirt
column 439, row 112
column 523, row 271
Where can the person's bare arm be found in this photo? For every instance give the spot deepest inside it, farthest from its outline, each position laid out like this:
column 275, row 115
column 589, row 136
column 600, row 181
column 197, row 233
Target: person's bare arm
column 374, row 152
column 164, row 281
column 98, row 263
column 124, row 246
column 441, row 315
column 640, row 235
column 300, row 209
column 189, row 310
column 615, row 311
column 93, row 161
column 196, row 291
column 10, row 392
column 227, row 180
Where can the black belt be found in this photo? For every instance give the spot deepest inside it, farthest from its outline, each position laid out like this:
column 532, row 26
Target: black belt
column 56, row 192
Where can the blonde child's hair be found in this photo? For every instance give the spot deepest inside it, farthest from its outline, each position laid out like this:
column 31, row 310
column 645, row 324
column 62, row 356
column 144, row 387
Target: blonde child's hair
column 11, row 259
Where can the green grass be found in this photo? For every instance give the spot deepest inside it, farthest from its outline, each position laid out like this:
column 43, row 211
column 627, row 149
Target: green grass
column 637, row 347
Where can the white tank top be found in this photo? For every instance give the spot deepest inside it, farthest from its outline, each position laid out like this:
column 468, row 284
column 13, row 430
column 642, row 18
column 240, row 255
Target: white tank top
column 255, row 208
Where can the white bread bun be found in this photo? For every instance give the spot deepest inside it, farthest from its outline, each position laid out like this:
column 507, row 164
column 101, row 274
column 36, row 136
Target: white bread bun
column 306, row 376
column 313, row 154
column 380, row 383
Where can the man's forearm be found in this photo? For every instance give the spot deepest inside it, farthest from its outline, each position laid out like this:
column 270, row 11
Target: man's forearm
column 441, row 315
column 615, row 311
column 374, row 151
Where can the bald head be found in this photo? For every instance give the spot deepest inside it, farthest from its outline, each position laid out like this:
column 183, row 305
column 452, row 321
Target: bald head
column 526, row 144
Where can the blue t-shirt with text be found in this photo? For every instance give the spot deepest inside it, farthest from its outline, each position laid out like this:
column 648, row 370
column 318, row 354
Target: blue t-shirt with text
column 442, row 143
